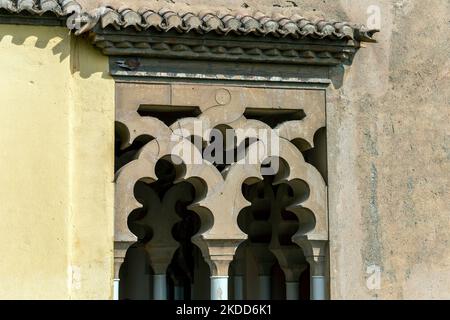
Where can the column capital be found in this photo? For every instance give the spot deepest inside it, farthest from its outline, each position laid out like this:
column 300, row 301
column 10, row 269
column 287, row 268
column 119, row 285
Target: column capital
column 121, row 247
column 239, row 263
column 315, row 254
column 291, row 261
column 314, row 249
column 120, row 251
column 264, row 257
column 160, row 256
column 218, row 253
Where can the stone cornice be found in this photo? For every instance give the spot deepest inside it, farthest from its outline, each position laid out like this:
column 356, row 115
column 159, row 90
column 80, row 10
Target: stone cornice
column 216, row 48
column 228, row 37
column 205, row 36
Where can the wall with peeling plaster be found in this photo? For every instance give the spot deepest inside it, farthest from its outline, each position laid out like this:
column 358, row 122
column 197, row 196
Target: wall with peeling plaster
column 56, row 190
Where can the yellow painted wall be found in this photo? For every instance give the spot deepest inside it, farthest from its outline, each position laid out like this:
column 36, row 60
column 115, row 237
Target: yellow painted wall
column 56, row 166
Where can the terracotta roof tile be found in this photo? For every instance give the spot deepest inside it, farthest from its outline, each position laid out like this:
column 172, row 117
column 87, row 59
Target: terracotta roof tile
column 258, row 24
column 165, row 19
column 60, row 8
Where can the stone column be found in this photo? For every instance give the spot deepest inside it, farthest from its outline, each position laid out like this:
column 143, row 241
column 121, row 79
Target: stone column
column 315, row 253
column 293, row 265
column 218, row 254
column 179, row 293
column 293, row 274
column 116, row 286
column 265, row 260
column 219, row 287
column 219, row 276
column 159, row 287
column 292, row 289
column 178, row 290
column 120, row 251
column 318, row 278
column 238, row 273
column 160, row 258
column 238, row 286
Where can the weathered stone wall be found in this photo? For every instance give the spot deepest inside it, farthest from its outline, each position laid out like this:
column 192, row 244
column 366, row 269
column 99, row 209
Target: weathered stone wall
column 389, row 136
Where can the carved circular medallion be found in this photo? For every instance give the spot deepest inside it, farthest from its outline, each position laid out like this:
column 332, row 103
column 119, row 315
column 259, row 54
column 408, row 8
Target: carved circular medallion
column 223, row 96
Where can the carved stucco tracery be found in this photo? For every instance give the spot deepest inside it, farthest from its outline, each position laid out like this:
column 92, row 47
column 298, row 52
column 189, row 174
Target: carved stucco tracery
column 219, row 105
column 220, row 197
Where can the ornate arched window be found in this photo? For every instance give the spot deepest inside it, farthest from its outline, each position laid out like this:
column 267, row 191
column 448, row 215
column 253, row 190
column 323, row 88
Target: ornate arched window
column 221, row 183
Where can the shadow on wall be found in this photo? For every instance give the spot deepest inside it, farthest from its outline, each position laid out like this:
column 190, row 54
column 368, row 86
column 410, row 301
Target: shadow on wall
column 87, row 60
column 84, row 59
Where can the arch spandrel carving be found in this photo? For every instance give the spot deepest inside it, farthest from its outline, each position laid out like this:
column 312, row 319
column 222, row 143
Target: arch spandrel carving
column 218, row 105
column 302, row 129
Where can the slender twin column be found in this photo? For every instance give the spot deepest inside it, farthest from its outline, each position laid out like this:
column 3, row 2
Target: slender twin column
column 265, row 260
column 315, row 253
column 239, row 286
column 160, row 258
column 222, row 253
column 120, row 250
column 117, row 263
column 219, row 276
column 178, row 292
column 159, row 287
column 219, row 260
column 293, row 265
column 293, row 274
column 318, row 279
column 218, row 254
column 239, row 272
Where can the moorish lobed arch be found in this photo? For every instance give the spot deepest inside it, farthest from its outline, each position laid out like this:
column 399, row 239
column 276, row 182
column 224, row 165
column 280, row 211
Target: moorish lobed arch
column 235, row 69
column 219, row 235
column 206, row 92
